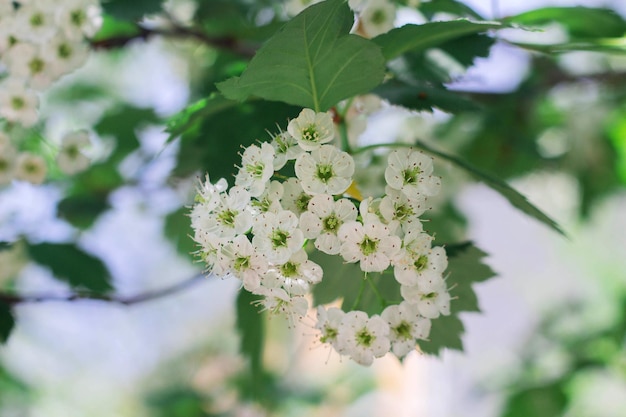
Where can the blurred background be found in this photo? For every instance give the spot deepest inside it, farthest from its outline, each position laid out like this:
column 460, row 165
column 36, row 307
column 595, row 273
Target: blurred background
column 549, row 341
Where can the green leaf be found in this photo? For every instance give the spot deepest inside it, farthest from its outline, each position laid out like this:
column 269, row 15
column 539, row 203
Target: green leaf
column 7, row 322
column 123, row 124
column 312, row 61
column 465, row 268
column 250, row 324
column 544, row 401
column 508, row 192
column 5, row 246
column 423, row 96
column 113, row 28
column 445, row 332
column 191, row 117
column 348, row 282
column 419, row 37
column 69, row 263
column 429, row 9
column 580, row 22
column 131, row 10
column 178, row 230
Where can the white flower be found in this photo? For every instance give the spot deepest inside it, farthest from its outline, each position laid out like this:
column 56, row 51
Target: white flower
column 64, row 55
column 299, row 267
column 211, row 252
column 244, row 262
column 363, row 338
column 430, row 304
column 396, row 206
column 326, row 170
column 323, row 220
column 27, row 61
column 17, row 103
column 377, row 17
column 328, row 322
column 406, row 325
column 79, row 18
column 269, row 200
column 410, row 172
column 278, row 301
column 424, row 269
column 209, row 194
column 257, row 167
column 286, row 149
column 370, row 244
column 277, row 236
column 36, row 20
column 294, row 198
column 30, row 167
column 227, row 217
column 70, row 157
column 311, row 129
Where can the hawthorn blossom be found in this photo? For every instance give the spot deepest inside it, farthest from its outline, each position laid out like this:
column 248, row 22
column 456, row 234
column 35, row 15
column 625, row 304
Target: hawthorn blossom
column 370, row 244
column 311, row 129
column 277, row 236
column 410, row 171
column 405, row 325
column 326, row 170
column 323, row 220
column 363, row 338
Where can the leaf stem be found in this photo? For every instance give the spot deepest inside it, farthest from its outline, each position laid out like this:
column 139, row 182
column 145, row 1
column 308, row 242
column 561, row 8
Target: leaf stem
column 383, row 302
column 357, row 300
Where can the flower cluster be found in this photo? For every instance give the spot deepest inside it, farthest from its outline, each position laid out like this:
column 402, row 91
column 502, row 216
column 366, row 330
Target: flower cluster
column 257, row 231
column 40, row 41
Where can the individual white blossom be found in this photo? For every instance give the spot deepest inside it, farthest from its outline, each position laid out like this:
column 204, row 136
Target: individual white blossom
column 311, row 129
column 286, row 148
column 397, row 207
column 257, row 167
column 269, row 200
column 430, row 304
column 277, row 300
column 299, row 267
column 294, row 198
column 70, row 158
column 30, row 167
column 424, row 269
column 63, row 55
column 79, row 18
column 370, row 244
column 244, row 262
column 376, row 17
column 277, row 235
column 410, row 171
column 228, row 217
column 323, row 220
column 27, row 62
column 405, row 326
column 18, row 103
column 326, row 170
column 328, row 323
column 363, row 338
column 35, row 20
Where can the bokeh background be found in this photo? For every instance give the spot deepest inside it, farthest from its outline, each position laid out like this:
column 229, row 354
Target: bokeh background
column 549, row 340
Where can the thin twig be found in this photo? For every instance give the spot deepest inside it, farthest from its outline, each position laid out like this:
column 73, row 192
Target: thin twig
column 13, row 299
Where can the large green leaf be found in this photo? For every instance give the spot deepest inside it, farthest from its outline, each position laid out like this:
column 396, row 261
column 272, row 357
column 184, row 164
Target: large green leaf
column 508, row 192
column 69, row 263
column 250, row 324
column 543, row 401
column 7, row 321
column 429, row 9
column 423, row 96
column 130, row 10
column 312, row 61
column 580, row 22
column 419, row 37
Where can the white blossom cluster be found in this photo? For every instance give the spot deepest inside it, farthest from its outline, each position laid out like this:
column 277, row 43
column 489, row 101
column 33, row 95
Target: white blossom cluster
column 257, row 231
column 40, row 40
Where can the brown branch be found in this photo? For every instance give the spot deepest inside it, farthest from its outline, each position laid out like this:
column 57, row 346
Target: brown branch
column 176, row 31
column 13, row 299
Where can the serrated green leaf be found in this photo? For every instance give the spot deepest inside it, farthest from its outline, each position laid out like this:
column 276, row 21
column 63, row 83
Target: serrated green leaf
column 131, row 10
column 445, row 332
column 580, row 22
column 311, row 62
column 178, row 230
column 191, row 116
column 513, row 196
column 423, row 96
column 465, row 267
column 69, row 263
column 429, row 9
column 419, row 37
column 7, row 322
column 250, row 324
